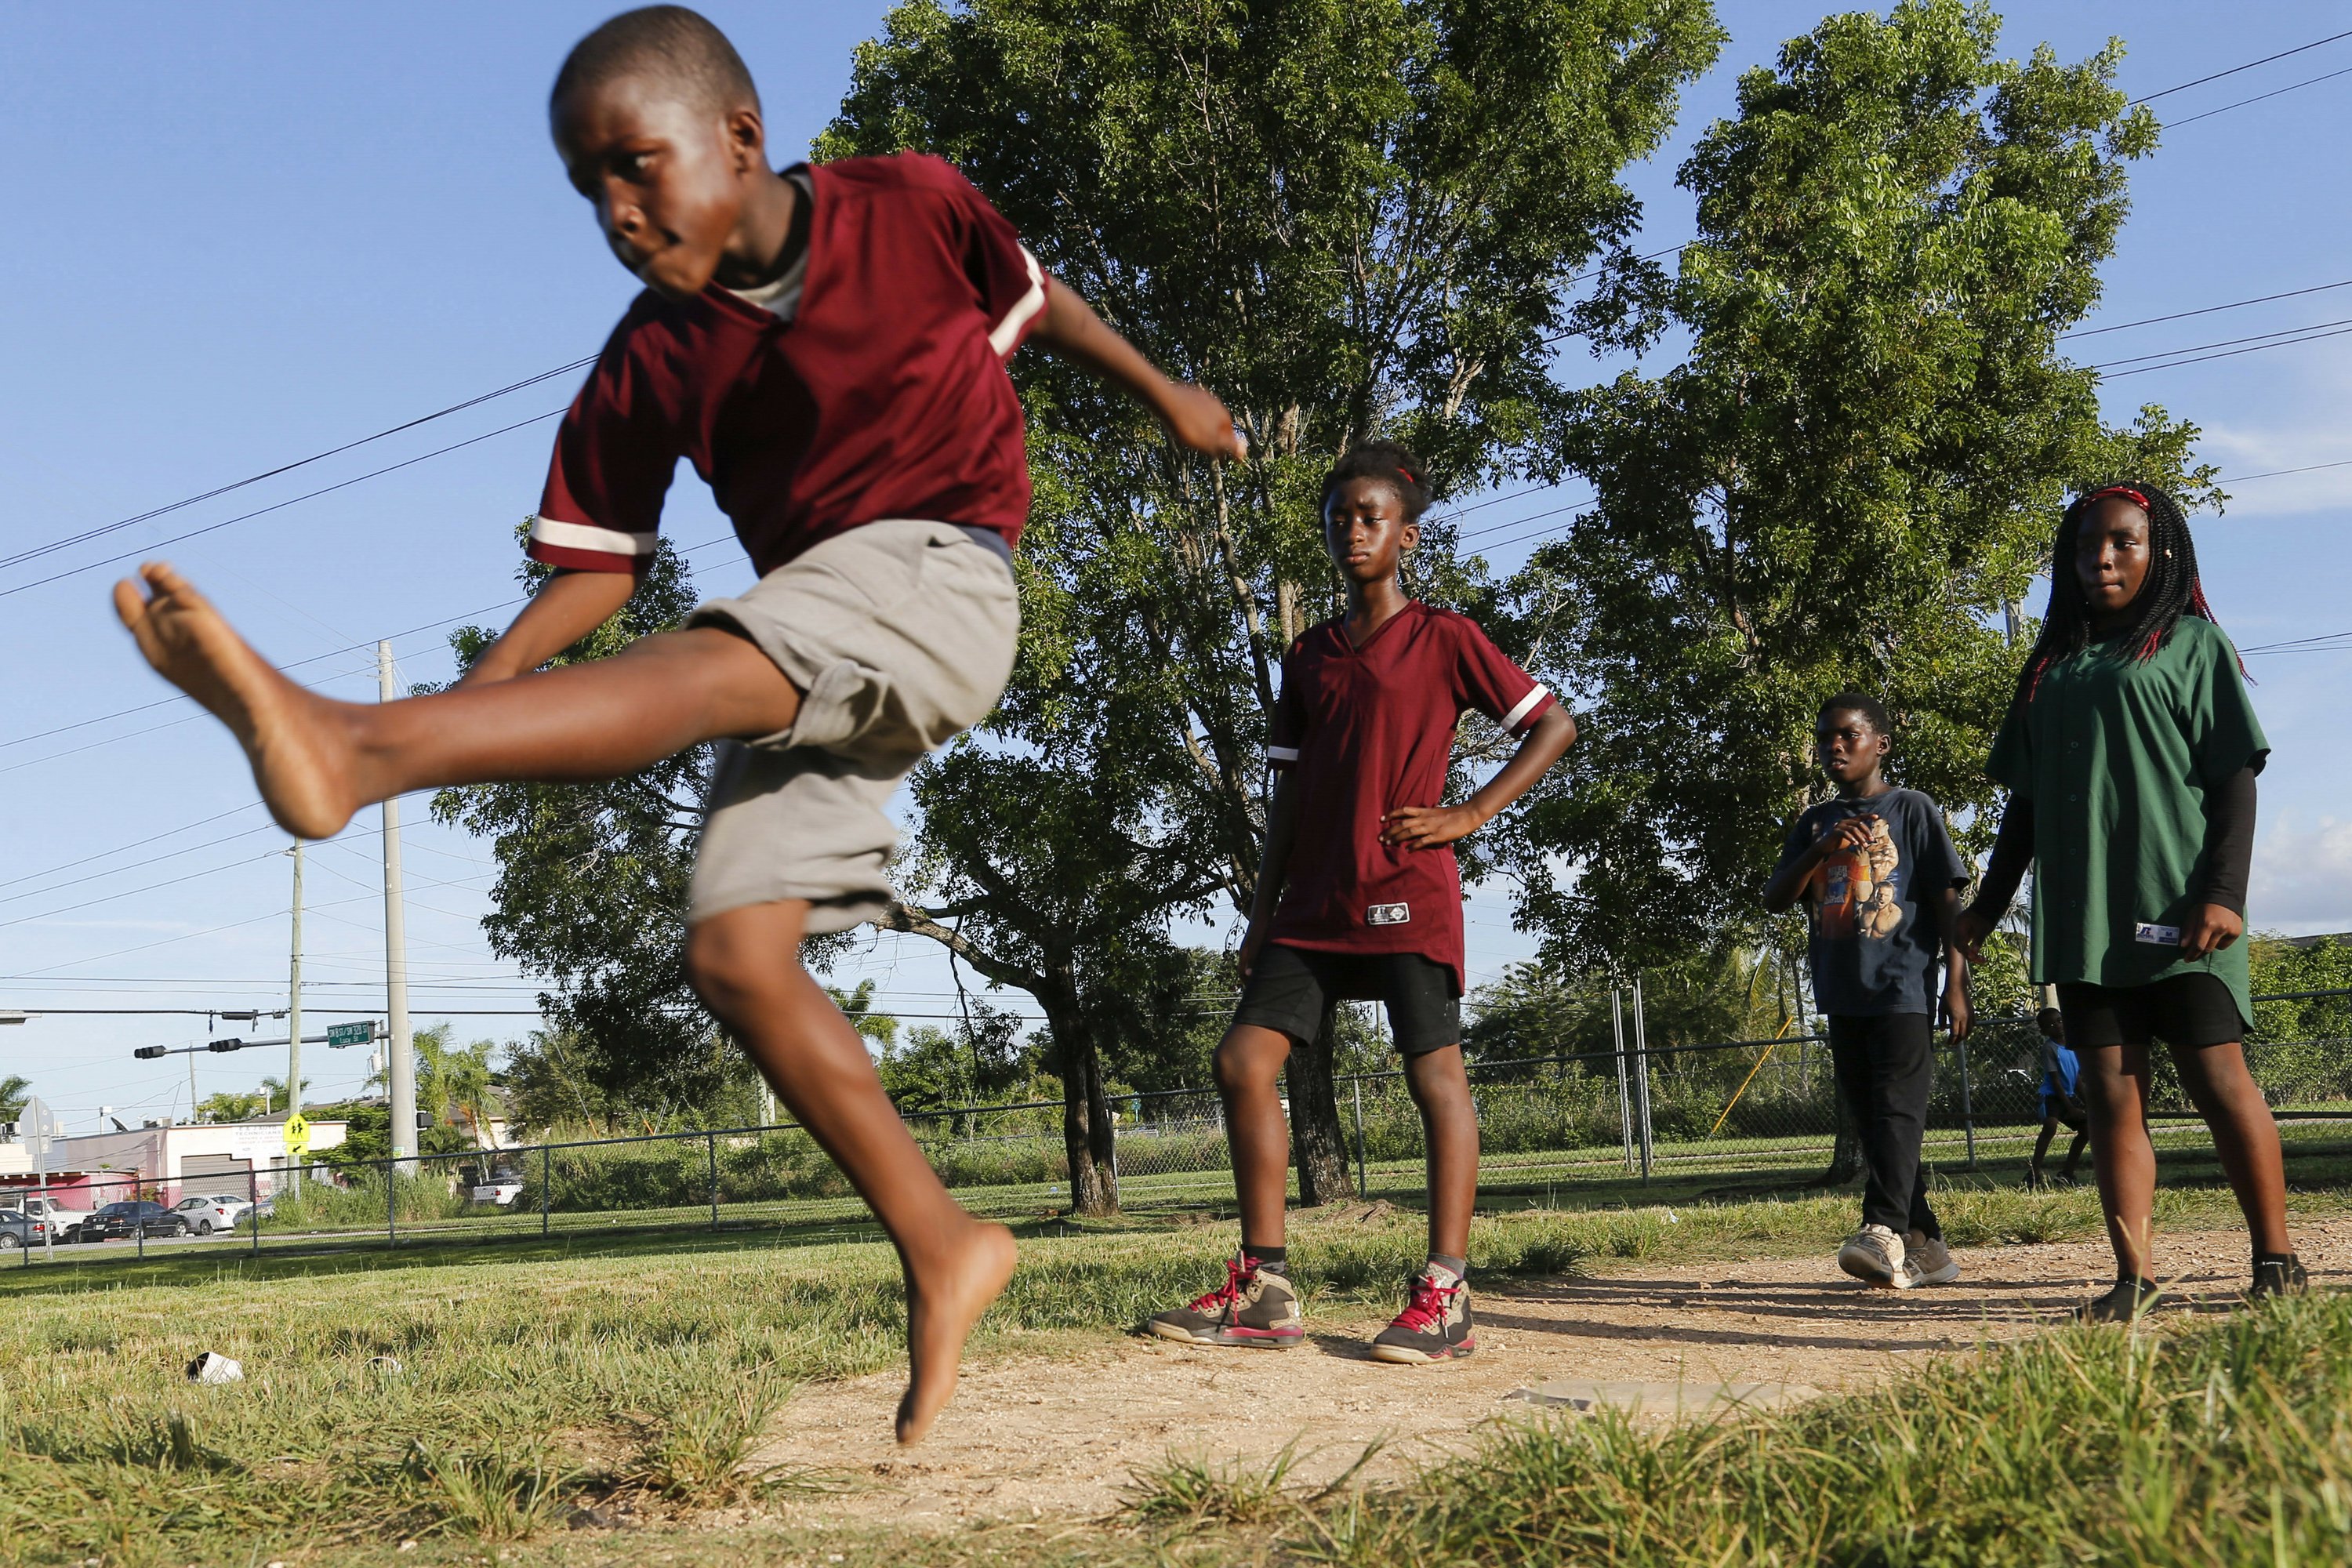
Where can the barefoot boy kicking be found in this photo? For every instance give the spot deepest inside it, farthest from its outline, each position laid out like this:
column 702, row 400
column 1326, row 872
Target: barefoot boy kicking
column 827, row 345
column 1358, row 897
column 1883, row 881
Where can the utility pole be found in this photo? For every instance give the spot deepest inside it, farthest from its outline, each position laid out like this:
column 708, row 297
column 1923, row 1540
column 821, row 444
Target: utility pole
column 293, row 1015
column 395, row 962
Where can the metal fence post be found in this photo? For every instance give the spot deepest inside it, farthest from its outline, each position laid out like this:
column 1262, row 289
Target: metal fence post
column 710, row 1141
column 545, row 1166
column 391, row 1204
column 1625, row 1088
column 1968, row 1109
column 1641, row 1049
column 1364, row 1177
column 253, row 1206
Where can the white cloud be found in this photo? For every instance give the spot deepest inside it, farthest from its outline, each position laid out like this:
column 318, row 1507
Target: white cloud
column 2314, row 427
column 2303, row 878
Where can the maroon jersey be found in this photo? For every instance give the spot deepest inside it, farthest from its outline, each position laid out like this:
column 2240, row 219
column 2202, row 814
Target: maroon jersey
column 883, row 395
column 1369, row 731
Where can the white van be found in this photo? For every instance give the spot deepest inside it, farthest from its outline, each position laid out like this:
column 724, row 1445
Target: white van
column 55, row 1211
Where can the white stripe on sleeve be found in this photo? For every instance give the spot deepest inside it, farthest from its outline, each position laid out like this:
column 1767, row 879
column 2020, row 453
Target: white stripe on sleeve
column 580, row 536
column 1281, row 753
column 1008, row 330
column 1526, row 705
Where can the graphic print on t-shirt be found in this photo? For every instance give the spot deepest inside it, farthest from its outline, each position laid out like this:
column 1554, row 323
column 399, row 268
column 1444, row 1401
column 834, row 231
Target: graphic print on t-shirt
column 1858, row 893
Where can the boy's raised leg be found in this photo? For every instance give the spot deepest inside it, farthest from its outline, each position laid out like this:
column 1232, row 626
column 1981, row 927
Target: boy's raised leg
column 316, row 761
column 745, row 964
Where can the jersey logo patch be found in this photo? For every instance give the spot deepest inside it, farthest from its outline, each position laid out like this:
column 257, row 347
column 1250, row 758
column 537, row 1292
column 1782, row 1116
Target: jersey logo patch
column 1388, row 914
column 2155, row 935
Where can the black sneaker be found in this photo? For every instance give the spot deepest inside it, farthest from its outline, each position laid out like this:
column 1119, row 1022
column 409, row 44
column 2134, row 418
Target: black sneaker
column 2274, row 1277
column 1253, row 1307
column 2127, row 1302
column 1435, row 1325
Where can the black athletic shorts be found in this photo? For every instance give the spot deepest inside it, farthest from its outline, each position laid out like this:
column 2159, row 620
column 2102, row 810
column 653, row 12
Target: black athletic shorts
column 2186, row 1011
column 1290, row 985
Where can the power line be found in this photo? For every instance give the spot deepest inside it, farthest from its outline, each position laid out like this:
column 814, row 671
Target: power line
column 2231, row 353
column 2258, row 97
column 88, row 534
column 280, row 506
column 2226, row 343
column 2207, row 310
column 2217, row 76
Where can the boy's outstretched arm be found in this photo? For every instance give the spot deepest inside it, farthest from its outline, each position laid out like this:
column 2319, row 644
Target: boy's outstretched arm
column 567, row 607
column 1193, row 414
column 1957, row 1009
column 1427, row 826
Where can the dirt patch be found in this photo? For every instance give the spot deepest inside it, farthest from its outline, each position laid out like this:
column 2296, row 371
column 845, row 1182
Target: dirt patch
column 1064, row 1436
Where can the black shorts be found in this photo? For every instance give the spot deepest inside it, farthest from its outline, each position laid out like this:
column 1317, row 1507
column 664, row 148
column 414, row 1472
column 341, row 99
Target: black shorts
column 1291, row 987
column 2186, row 1011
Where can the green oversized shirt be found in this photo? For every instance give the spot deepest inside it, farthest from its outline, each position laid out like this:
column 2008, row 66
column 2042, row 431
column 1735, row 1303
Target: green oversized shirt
column 2117, row 757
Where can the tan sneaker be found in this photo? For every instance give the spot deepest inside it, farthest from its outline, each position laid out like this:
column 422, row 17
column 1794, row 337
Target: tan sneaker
column 1435, row 1324
column 1873, row 1254
column 1928, row 1261
column 1255, row 1307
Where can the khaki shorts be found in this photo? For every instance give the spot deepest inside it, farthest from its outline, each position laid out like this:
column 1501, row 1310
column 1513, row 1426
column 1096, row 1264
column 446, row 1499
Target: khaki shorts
column 899, row 635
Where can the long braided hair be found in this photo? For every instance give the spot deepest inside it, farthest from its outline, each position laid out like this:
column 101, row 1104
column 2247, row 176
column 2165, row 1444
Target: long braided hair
column 2170, row 591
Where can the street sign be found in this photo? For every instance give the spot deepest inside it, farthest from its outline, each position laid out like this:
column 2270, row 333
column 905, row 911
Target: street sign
column 342, row 1035
column 297, row 1136
column 38, row 1126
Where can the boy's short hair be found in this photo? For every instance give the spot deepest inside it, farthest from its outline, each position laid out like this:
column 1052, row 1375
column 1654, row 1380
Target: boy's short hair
column 669, row 43
column 1386, row 461
column 1856, row 702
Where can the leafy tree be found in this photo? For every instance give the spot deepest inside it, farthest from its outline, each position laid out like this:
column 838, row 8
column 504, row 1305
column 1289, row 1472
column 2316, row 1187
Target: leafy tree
column 15, row 1093
column 1852, row 472
column 230, row 1105
column 1346, row 216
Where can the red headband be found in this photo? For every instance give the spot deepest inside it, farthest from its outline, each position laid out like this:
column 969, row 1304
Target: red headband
column 2124, row 490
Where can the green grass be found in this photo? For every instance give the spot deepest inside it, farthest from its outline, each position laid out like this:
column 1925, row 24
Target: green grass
column 536, row 1380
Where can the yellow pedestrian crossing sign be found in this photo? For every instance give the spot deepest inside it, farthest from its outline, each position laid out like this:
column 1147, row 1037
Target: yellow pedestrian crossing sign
column 298, row 1135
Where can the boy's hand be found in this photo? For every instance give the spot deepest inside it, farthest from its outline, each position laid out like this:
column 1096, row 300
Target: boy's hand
column 1853, row 833
column 1968, row 933
column 1427, row 826
column 2211, row 929
column 1252, row 944
column 1956, row 1010
column 1197, row 419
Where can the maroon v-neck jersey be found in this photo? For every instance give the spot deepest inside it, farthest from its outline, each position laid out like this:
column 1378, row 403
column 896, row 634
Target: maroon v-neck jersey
column 884, row 396
column 1368, row 731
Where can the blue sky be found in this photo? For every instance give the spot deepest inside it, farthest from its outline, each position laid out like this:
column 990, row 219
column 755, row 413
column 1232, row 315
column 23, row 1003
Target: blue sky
column 249, row 232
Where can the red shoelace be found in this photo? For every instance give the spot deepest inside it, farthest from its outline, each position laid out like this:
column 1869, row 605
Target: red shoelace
column 1226, row 1294
column 1425, row 1313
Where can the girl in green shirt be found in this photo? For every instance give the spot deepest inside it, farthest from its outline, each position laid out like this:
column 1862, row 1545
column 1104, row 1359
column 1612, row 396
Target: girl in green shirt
column 2129, row 752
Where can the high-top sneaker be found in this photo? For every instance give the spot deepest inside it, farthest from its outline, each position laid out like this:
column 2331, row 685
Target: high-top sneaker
column 1254, row 1307
column 1435, row 1325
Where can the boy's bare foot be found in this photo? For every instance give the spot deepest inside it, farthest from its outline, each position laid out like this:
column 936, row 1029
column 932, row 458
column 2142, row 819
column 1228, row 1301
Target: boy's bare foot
column 300, row 757
column 941, row 1311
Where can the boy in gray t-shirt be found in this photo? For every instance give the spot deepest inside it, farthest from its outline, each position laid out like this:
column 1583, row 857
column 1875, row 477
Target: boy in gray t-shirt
column 1882, row 881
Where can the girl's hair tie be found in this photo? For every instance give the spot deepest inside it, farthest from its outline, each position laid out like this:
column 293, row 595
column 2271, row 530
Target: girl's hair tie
column 2124, row 490
column 1408, row 474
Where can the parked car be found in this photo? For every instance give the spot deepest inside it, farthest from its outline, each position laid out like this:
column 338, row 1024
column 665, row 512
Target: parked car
column 56, row 1213
column 132, row 1216
column 253, row 1213
column 20, row 1229
column 502, row 1188
column 211, row 1212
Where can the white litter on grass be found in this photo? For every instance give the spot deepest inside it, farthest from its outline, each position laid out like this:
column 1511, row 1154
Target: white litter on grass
column 214, row 1367
column 1671, row 1218
column 388, row 1366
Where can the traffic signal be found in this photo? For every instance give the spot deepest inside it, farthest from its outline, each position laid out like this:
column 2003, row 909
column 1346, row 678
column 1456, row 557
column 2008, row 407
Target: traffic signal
column 148, row 1053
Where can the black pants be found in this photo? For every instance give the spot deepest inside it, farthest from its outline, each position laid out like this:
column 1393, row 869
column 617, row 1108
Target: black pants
column 1886, row 1067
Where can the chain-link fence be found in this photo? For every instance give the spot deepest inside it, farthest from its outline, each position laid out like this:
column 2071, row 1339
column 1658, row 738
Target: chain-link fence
column 1617, row 1120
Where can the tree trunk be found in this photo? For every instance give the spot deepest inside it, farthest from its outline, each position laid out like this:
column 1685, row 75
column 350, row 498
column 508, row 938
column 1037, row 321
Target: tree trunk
column 1318, row 1145
column 1085, row 1110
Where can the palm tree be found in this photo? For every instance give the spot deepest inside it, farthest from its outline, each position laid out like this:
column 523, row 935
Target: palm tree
column 13, row 1094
